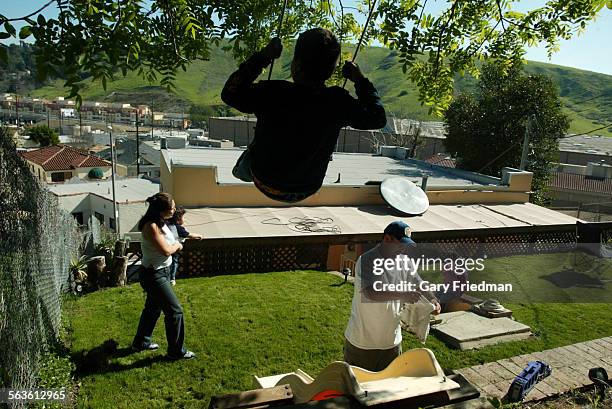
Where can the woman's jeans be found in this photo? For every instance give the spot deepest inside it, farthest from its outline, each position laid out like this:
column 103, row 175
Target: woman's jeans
column 174, row 266
column 160, row 297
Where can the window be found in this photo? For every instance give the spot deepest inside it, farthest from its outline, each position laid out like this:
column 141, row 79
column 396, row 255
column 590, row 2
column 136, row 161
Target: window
column 100, row 217
column 78, row 216
column 111, row 224
column 58, row 177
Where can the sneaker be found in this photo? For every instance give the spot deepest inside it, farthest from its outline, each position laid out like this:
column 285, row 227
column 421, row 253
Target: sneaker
column 150, row 347
column 186, row 355
column 173, row 282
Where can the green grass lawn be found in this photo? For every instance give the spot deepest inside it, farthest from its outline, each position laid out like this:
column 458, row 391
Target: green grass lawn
column 551, row 278
column 261, row 324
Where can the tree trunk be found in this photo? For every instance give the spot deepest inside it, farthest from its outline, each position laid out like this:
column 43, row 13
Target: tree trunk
column 95, row 271
column 118, row 277
column 120, row 248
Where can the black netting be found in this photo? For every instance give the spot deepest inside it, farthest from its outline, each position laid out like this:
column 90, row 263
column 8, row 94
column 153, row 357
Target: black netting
column 37, row 241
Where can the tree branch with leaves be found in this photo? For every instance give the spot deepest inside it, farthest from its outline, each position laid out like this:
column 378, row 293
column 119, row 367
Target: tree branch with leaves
column 100, row 39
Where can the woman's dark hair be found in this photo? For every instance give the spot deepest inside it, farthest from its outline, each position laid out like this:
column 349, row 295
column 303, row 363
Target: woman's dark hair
column 159, row 204
column 178, row 213
column 317, row 51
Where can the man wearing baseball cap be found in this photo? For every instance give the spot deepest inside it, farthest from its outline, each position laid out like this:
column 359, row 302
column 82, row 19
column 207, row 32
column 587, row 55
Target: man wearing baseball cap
column 373, row 336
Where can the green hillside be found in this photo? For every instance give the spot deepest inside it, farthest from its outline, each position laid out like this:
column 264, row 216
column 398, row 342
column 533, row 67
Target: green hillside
column 587, row 96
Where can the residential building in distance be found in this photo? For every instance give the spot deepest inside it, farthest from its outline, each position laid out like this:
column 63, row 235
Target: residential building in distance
column 126, row 154
column 582, row 149
column 58, row 163
column 240, row 130
column 442, row 159
column 95, row 199
column 29, row 108
column 583, row 191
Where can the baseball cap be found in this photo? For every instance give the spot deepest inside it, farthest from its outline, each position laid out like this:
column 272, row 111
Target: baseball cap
column 400, row 231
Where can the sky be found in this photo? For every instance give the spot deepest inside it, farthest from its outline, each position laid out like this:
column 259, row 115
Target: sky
column 592, row 50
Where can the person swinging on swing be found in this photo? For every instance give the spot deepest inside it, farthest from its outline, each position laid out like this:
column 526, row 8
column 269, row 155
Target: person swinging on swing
column 298, row 122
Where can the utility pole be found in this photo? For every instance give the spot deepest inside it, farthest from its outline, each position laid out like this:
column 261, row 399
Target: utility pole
column 48, row 119
column 112, row 146
column 17, row 108
column 525, row 152
column 137, row 146
column 81, row 126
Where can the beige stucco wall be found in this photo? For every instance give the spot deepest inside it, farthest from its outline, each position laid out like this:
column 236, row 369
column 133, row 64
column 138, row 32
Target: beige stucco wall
column 89, row 203
column 38, row 171
column 574, row 196
column 197, row 186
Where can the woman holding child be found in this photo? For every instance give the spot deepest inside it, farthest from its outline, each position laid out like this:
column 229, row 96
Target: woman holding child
column 158, row 245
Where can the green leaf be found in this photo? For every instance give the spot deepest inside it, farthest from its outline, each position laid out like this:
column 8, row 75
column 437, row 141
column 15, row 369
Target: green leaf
column 4, row 36
column 25, row 32
column 41, row 20
column 10, row 29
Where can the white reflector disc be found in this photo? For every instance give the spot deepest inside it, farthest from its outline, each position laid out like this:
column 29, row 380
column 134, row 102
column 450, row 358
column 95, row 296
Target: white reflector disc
column 403, row 195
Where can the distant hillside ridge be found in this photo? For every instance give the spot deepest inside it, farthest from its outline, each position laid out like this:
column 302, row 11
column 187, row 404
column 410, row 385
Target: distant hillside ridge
column 587, row 96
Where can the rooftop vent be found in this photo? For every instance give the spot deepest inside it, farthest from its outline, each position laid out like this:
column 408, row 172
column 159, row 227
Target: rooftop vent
column 599, row 170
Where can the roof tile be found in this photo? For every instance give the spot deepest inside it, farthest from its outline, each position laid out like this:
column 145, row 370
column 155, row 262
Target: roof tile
column 572, row 181
column 61, row 157
column 441, row 159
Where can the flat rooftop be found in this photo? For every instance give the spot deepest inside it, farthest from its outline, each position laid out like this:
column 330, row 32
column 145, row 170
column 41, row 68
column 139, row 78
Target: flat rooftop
column 126, row 190
column 593, row 144
column 226, row 223
column 352, row 168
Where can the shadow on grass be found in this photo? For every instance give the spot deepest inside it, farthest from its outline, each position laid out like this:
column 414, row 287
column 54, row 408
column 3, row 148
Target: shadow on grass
column 98, row 360
column 571, row 278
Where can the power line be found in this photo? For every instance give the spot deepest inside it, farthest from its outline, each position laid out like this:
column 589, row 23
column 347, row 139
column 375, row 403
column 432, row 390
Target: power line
column 498, row 156
column 591, row 131
column 605, row 94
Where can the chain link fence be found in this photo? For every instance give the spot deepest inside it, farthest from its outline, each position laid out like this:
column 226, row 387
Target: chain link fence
column 589, row 212
column 37, row 242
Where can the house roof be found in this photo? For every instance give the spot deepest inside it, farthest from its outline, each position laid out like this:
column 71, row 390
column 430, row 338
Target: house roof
column 591, row 144
column 241, row 222
column 127, row 190
column 126, row 153
column 352, row 168
column 442, row 159
column 429, row 129
column 580, row 183
column 61, row 157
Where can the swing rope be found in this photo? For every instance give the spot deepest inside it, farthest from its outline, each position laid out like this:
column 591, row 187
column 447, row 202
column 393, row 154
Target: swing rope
column 278, row 34
column 365, row 28
column 363, row 32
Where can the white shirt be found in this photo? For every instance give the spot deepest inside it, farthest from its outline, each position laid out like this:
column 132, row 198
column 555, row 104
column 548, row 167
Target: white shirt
column 151, row 257
column 374, row 325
